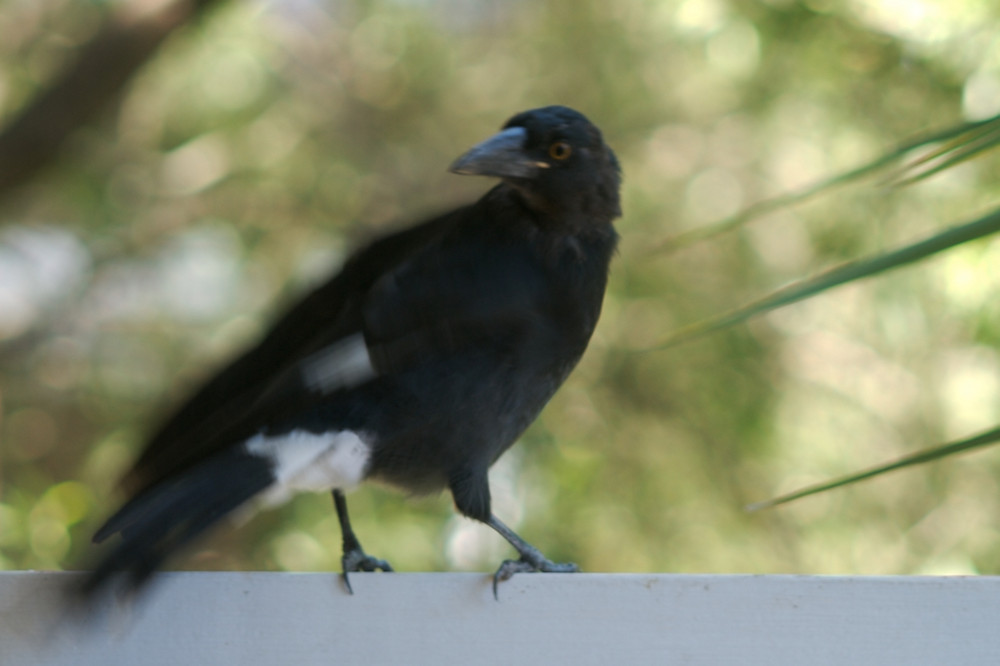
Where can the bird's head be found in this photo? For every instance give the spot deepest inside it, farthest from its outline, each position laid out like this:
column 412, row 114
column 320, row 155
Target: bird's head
column 556, row 159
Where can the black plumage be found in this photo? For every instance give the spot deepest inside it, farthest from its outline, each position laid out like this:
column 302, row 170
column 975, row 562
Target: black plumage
column 418, row 364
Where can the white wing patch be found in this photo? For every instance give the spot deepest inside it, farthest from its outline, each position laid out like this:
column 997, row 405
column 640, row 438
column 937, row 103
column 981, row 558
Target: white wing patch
column 306, row 461
column 343, row 364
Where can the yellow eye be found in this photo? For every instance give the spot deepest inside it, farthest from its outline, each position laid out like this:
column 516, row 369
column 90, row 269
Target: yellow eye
column 560, row 150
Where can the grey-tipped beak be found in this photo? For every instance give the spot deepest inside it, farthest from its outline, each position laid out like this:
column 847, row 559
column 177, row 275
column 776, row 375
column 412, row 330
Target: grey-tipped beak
column 501, row 155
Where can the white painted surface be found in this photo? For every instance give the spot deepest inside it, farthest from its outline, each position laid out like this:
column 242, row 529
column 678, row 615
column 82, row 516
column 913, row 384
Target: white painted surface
column 410, row 619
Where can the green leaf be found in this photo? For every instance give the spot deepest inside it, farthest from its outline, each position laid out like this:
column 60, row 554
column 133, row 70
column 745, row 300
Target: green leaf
column 987, row 438
column 836, row 276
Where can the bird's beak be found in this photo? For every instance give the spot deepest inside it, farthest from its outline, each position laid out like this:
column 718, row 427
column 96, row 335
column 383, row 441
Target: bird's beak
column 501, row 155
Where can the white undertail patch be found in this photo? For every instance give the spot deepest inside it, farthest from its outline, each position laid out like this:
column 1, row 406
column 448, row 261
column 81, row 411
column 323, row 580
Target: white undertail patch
column 306, row 461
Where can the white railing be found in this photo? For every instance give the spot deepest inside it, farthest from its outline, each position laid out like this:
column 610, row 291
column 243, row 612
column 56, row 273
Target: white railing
column 251, row 619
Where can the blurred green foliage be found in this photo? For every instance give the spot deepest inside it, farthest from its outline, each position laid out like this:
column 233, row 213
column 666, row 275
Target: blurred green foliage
column 266, row 140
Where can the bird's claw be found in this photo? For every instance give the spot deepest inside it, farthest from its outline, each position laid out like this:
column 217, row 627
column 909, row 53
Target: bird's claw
column 529, row 565
column 358, row 560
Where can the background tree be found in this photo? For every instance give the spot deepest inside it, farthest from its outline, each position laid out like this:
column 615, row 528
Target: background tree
column 260, row 142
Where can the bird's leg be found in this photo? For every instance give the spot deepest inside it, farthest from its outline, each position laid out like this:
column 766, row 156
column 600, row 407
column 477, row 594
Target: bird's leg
column 354, row 558
column 531, row 558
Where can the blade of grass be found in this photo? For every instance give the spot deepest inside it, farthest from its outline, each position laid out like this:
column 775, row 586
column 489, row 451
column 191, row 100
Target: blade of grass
column 960, row 152
column 836, row 276
column 927, row 455
column 684, row 239
column 967, row 135
column 761, row 208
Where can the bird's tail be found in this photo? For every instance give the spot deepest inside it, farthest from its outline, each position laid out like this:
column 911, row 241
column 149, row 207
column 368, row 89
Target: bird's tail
column 167, row 516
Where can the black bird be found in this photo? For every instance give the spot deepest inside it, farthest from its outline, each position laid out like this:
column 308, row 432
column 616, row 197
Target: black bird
column 418, row 364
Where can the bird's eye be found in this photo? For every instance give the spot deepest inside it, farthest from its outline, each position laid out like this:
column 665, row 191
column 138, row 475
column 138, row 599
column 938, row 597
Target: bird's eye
column 560, row 150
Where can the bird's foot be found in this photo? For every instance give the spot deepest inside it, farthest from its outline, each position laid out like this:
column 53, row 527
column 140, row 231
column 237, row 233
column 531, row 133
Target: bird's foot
column 530, row 562
column 357, row 560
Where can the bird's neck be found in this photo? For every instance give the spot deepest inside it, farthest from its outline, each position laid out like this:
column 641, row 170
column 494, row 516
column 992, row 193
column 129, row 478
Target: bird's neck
column 572, row 216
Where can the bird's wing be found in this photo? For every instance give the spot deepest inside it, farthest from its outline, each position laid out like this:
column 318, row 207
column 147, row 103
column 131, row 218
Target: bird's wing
column 473, row 293
column 329, row 313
